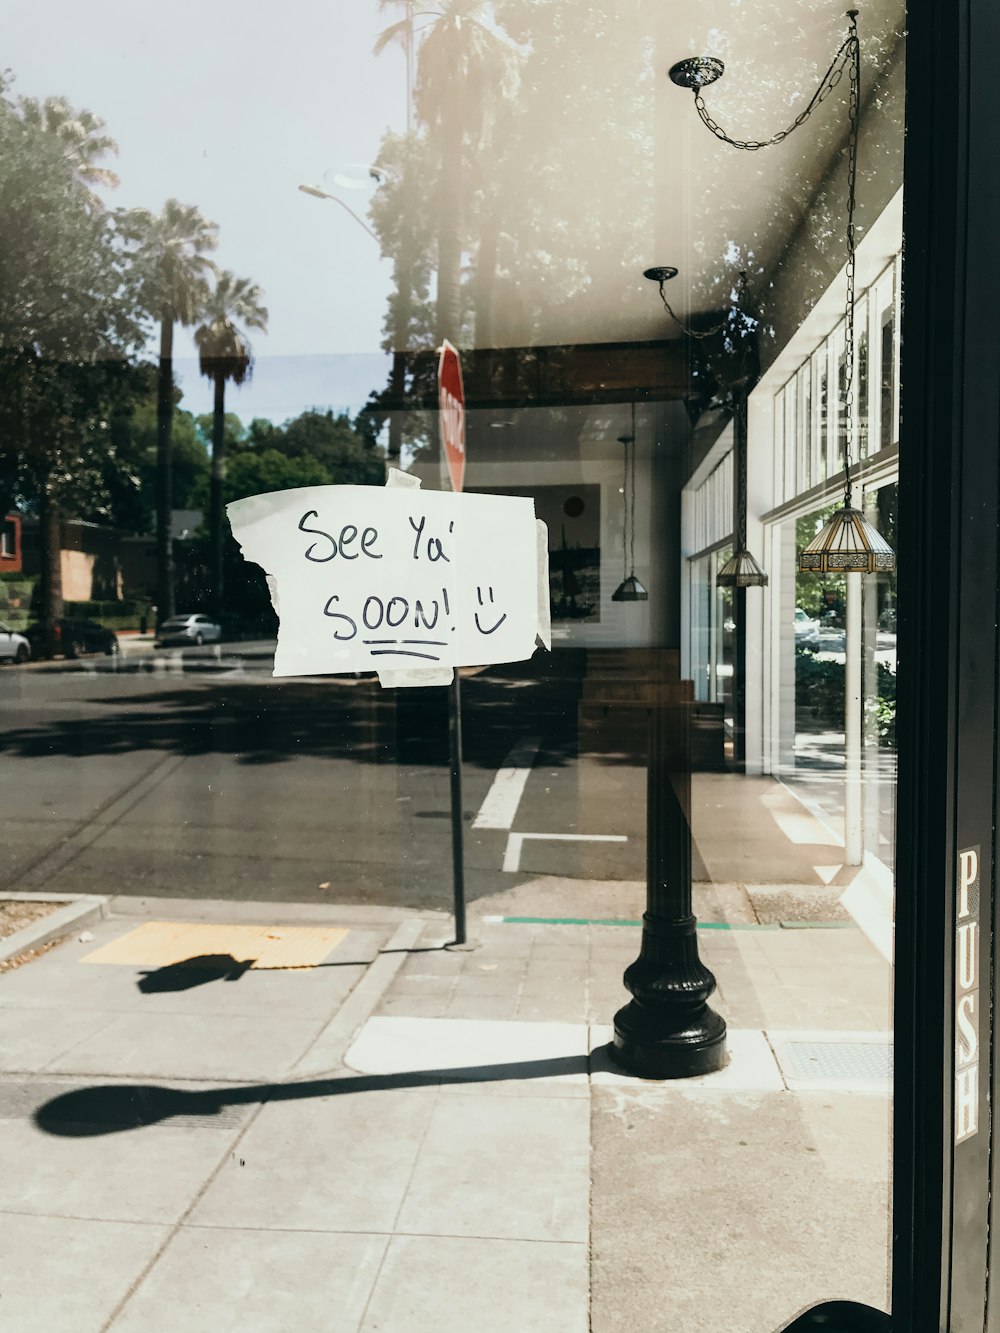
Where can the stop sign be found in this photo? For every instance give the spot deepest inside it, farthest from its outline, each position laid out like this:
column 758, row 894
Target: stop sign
column 451, row 412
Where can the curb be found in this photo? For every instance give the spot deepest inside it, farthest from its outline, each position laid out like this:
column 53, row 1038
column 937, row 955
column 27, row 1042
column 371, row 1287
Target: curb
column 80, row 910
column 327, row 1052
column 254, row 911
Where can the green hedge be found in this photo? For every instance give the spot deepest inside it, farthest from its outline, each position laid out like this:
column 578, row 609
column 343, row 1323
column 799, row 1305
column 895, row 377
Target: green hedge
column 125, row 609
column 820, row 690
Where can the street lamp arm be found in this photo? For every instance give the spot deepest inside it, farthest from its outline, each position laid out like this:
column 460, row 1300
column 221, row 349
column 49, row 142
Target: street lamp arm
column 317, row 193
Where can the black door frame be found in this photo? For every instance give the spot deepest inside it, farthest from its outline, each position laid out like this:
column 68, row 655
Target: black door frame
column 948, row 566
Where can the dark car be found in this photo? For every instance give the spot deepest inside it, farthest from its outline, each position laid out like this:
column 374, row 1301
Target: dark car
column 74, row 637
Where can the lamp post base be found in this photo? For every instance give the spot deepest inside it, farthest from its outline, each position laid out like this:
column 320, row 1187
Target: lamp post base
column 668, row 1029
column 642, row 1048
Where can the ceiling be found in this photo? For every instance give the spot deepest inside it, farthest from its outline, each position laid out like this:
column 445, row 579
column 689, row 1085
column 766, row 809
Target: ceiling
column 604, row 169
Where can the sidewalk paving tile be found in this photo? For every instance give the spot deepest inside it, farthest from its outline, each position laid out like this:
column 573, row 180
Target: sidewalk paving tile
column 306, row 993
column 809, row 1231
column 186, row 1046
column 338, row 1162
column 28, row 1042
column 414, row 1045
column 96, row 1264
column 502, row 1167
column 430, row 1284
column 532, row 1009
column 234, row 1281
column 420, row 1006
column 496, row 1007
column 149, row 1175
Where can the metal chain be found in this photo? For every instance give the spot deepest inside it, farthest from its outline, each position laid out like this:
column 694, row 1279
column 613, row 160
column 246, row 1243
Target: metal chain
column 848, row 57
column 703, row 333
column 740, row 480
column 852, row 182
column 632, row 505
column 827, row 84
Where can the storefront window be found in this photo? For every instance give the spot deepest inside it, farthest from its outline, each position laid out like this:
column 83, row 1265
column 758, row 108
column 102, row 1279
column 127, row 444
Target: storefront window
column 228, row 294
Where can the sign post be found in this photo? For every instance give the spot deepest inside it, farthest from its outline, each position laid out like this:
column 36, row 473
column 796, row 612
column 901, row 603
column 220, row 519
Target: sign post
column 451, row 417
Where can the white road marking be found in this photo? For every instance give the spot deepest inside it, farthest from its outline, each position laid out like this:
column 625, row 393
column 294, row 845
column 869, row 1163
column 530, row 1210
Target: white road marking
column 515, row 841
column 504, row 796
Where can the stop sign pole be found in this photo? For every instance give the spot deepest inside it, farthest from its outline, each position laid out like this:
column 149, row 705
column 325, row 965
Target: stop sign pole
column 451, row 418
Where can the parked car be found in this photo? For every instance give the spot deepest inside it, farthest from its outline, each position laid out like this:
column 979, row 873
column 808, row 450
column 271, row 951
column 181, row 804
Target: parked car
column 806, row 629
column 74, row 637
column 189, row 629
column 14, row 647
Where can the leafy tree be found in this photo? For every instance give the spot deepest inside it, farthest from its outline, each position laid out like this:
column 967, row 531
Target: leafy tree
column 569, row 181
column 464, row 69
column 224, row 354
column 171, row 250
column 262, row 434
column 81, row 137
column 132, row 486
column 401, row 216
column 236, row 435
column 348, row 456
column 253, row 473
column 67, row 329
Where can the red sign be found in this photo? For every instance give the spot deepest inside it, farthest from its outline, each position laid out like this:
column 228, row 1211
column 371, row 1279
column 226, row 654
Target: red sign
column 451, row 412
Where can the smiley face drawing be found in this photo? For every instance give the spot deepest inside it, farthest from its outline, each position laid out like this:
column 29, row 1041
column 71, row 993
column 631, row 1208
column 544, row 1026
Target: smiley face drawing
column 482, row 603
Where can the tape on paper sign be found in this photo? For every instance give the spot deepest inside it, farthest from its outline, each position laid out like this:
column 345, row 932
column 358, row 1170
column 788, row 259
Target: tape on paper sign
column 393, row 579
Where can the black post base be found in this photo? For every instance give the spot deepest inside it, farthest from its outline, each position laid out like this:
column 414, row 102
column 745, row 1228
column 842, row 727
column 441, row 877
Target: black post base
column 668, row 1030
column 839, row 1317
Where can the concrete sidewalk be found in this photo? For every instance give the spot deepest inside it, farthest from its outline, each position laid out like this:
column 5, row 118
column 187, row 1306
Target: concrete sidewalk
column 367, row 1131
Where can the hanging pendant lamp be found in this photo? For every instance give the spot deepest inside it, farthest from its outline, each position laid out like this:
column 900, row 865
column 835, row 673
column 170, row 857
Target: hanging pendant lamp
column 741, row 570
column 630, row 589
column 848, row 543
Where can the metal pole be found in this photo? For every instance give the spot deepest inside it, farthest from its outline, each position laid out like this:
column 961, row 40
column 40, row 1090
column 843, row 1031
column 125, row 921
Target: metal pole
column 854, row 833
column 457, row 828
column 668, row 1030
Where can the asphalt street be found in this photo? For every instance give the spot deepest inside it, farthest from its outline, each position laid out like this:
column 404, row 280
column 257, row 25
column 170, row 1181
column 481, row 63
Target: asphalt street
column 192, row 773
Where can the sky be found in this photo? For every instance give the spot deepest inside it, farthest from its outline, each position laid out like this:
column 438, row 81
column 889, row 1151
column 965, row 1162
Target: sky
column 231, row 109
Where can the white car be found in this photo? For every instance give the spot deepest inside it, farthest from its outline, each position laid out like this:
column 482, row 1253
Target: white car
column 14, row 647
column 189, row 629
column 806, row 629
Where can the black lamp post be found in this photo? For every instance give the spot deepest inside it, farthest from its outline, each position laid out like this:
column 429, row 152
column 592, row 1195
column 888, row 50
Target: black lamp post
column 667, row 1030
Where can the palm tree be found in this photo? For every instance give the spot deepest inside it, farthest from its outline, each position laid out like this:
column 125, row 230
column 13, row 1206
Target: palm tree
column 463, row 70
column 224, row 353
column 172, row 253
column 81, row 137
column 82, row 144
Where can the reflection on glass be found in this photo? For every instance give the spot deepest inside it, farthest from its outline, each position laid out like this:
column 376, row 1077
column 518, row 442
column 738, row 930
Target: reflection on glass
column 189, row 329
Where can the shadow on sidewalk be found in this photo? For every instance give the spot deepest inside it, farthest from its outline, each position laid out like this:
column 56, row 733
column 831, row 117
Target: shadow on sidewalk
column 113, row 1108
column 200, row 969
column 191, row 972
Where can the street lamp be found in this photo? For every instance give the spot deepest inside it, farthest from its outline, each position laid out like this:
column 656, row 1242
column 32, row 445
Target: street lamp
column 398, row 374
column 317, row 193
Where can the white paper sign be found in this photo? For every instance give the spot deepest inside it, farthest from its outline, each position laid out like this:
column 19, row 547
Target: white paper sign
column 381, row 579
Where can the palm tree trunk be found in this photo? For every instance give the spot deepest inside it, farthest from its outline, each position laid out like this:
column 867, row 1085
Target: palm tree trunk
column 449, row 269
column 50, row 536
column 164, row 474
column 215, row 527
column 401, row 338
column 487, row 274
column 403, row 275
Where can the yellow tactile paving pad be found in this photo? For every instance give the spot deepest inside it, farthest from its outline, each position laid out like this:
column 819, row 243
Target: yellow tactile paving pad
column 162, row 943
